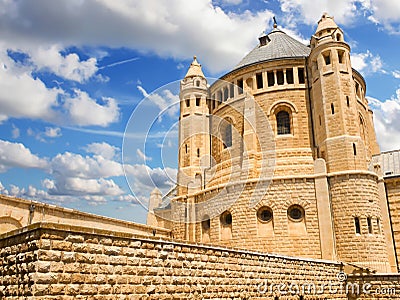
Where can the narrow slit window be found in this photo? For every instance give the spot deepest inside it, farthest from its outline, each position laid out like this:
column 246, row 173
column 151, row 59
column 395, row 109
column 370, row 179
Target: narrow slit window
column 198, row 152
column 357, row 225
column 271, row 78
column 187, row 102
column 197, row 101
column 259, row 80
column 300, row 73
column 358, row 89
column 354, row 149
column 341, row 56
column 280, row 78
column 186, row 148
column 240, row 85
column 348, row 101
column 332, row 108
column 369, row 223
column 289, row 76
column 320, row 121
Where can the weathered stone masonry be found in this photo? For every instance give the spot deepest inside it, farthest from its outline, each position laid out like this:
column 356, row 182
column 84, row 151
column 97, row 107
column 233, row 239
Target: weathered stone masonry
column 52, row 261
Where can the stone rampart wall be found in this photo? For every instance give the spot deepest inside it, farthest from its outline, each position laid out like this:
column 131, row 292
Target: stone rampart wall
column 53, row 261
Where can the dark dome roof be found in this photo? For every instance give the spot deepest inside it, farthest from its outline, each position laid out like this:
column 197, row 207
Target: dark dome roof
column 275, row 45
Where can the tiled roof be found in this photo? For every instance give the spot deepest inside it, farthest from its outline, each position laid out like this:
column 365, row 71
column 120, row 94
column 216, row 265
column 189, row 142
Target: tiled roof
column 278, row 45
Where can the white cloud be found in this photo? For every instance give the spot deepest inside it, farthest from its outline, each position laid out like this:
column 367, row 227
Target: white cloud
column 69, row 66
column 367, row 63
column 175, row 28
column 385, row 12
column 22, row 96
column 387, row 121
column 396, row 74
column 15, row 132
column 85, row 111
column 52, row 132
column 167, row 102
column 142, row 156
column 76, row 165
column 342, row 10
column 103, row 149
column 86, row 187
column 16, row 155
column 143, row 179
column 3, row 190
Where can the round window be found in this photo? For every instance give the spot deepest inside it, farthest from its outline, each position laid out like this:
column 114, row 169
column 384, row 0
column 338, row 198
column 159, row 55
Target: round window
column 264, row 214
column 226, row 218
column 296, row 213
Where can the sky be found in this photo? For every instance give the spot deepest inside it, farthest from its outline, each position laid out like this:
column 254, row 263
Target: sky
column 87, row 87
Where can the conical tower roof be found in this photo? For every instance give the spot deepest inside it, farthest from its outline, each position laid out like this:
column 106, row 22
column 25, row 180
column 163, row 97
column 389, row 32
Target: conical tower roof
column 195, row 69
column 326, row 22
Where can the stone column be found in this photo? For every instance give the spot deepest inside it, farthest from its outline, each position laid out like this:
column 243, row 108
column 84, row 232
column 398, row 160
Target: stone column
column 387, row 229
column 327, row 239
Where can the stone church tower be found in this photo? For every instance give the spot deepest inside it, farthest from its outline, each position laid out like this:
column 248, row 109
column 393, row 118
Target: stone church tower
column 302, row 109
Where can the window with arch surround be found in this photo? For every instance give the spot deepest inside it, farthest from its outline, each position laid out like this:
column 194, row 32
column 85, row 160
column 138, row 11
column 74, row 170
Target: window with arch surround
column 206, row 223
column 226, row 218
column 296, row 213
column 264, row 214
column 283, row 122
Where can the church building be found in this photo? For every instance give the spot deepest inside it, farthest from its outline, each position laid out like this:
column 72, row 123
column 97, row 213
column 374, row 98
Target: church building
column 280, row 156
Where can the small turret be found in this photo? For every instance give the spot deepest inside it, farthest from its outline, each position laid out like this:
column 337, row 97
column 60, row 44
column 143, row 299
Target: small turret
column 327, row 31
column 194, row 139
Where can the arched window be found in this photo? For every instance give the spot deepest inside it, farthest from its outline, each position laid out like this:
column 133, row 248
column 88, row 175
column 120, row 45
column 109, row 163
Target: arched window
column 228, row 136
column 226, row 133
column 283, row 122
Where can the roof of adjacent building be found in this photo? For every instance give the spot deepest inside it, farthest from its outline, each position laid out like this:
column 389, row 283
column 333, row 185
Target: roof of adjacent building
column 278, row 45
column 390, row 163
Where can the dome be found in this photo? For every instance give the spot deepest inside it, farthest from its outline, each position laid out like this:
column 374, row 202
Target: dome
column 273, row 46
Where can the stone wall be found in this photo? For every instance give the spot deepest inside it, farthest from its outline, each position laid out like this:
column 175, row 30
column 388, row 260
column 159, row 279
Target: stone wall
column 393, row 195
column 52, row 261
column 16, row 213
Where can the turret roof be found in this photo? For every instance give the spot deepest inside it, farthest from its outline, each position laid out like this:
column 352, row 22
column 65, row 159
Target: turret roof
column 195, row 69
column 326, row 22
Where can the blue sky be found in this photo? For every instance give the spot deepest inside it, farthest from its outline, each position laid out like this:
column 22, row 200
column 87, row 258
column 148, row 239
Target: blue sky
column 72, row 72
